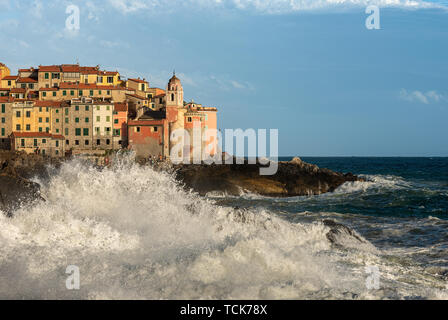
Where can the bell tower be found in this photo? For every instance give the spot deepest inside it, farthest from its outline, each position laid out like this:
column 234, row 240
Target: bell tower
column 174, row 93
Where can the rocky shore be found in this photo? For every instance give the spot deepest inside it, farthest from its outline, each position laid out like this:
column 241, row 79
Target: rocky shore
column 293, row 178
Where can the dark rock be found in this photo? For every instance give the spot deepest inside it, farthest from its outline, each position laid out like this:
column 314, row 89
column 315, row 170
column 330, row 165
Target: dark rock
column 16, row 189
column 337, row 231
column 294, row 178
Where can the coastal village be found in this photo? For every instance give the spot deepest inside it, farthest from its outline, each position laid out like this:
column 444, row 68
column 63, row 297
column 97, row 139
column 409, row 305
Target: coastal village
column 68, row 109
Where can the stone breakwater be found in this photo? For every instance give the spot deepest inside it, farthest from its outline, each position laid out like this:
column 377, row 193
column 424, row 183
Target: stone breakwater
column 293, row 178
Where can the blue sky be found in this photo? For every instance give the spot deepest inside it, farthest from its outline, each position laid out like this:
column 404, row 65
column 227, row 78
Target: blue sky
column 309, row 68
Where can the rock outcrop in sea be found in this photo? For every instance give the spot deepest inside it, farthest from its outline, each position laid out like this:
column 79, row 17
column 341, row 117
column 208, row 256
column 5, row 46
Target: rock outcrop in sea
column 293, row 178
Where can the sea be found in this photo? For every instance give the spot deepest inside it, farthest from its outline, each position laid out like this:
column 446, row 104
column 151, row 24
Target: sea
column 135, row 233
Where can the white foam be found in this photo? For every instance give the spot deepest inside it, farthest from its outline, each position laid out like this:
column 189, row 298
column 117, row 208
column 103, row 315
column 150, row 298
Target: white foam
column 135, row 234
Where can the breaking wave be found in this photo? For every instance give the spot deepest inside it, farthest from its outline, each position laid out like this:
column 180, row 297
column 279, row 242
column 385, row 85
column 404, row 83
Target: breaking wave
column 135, row 233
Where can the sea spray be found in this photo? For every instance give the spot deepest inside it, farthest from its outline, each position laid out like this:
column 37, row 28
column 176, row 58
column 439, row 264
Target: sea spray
column 135, row 233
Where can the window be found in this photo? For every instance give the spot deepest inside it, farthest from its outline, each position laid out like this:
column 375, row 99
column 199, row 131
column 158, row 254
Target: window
column 116, row 121
column 47, row 130
column 18, row 127
column 67, row 142
column 44, row 94
column 97, row 129
column 86, row 131
column 108, row 142
column 66, row 131
column 40, row 129
column 76, row 108
column 28, row 127
column 47, row 76
column 35, row 142
column 18, row 114
column 108, row 108
column 54, row 93
column 66, row 111
column 77, row 142
column 28, row 114
column 98, row 142
column 47, row 120
column 189, row 119
column 57, row 143
column 117, row 132
column 110, row 79
column 43, row 152
column 3, row 120
column 107, row 118
column 57, row 151
column 31, row 86
column 99, row 91
column 156, row 129
column 98, row 108
column 91, row 92
column 47, row 109
column 64, row 93
column 172, row 97
column 87, row 108
column 77, row 120
column 87, row 120
column 9, row 83
column 80, row 93
column 108, row 92
column 57, row 130
column 77, row 132
column 86, row 142
column 3, row 131
column 44, row 141
column 72, row 92
column 22, row 142
column 3, row 108
column 57, row 120
column 98, row 118
column 66, row 120
column 137, row 129
column 57, row 110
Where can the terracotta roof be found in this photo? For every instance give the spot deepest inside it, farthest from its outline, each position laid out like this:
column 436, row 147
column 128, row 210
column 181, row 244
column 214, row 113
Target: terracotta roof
column 48, row 104
column 48, row 89
column 138, row 80
column 144, row 122
column 6, row 99
column 107, row 73
column 88, row 70
column 36, row 135
column 120, row 107
column 26, row 70
column 136, row 96
column 160, row 95
column 26, row 80
column 5, row 89
column 49, row 69
column 18, row 90
column 10, row 78
column 70, row 68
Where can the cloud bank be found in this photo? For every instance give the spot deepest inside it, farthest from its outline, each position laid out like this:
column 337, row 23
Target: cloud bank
column 269, row 6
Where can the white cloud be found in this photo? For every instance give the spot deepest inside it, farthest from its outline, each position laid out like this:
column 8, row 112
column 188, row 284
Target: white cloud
column 268, row 6
column 419, row 96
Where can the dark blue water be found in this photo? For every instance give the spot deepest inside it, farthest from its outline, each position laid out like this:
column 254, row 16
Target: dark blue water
column 401, row 209
column 402, row 187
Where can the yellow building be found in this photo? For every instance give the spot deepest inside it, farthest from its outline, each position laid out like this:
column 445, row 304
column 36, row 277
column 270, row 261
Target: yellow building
column 108, row 78
column 9, row 82
column 4, row 71
column 42, row 117
column 23, row 116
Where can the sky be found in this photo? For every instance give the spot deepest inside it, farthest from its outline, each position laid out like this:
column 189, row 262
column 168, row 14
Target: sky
column 309, row 68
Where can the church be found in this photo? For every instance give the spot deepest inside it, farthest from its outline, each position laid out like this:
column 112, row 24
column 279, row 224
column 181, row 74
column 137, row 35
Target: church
column 177, row 129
